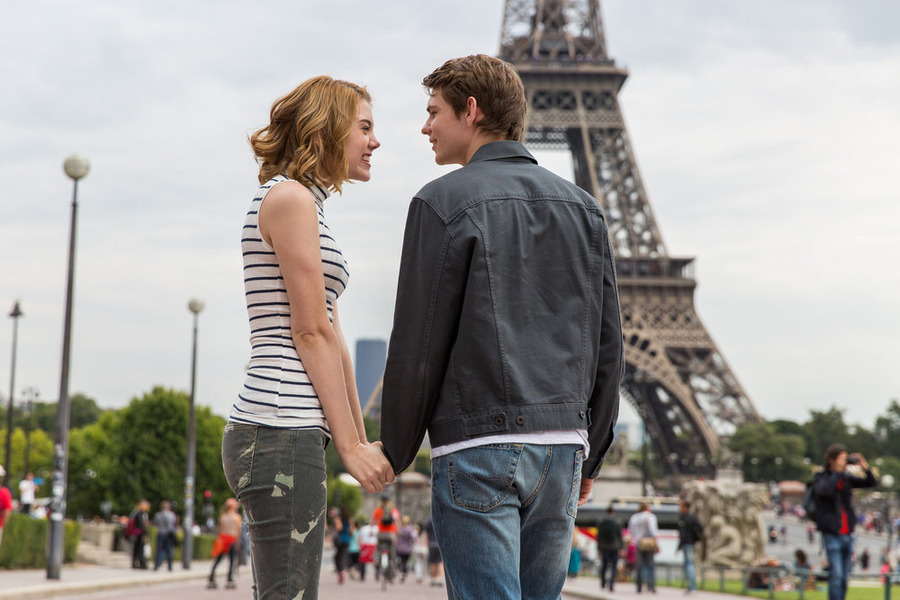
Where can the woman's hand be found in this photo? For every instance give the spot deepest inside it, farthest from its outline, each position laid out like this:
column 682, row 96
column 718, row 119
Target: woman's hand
column 368, row 465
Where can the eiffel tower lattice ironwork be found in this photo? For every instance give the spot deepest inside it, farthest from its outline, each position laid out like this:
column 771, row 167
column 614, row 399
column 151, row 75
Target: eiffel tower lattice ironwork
column 676, row 378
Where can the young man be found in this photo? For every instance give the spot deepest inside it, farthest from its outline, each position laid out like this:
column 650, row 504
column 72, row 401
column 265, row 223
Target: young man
column 835, row 517
column 507, row 342
column 690, row 531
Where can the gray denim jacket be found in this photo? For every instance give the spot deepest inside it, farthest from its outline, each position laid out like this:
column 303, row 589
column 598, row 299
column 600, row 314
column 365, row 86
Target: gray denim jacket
column 507, row 314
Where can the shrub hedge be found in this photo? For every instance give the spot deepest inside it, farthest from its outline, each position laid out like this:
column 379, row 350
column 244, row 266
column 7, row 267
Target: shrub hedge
column 202, row 549
column 24, row 544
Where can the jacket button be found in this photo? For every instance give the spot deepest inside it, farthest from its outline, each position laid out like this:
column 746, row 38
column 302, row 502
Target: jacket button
column 581, row 414
column 520, row 420
column 499, row 420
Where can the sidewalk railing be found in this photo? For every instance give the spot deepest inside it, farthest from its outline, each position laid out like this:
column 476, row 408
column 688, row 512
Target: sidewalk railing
column 775, row 578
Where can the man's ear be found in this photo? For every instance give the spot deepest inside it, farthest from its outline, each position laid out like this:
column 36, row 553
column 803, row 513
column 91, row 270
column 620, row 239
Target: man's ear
column 474, row 114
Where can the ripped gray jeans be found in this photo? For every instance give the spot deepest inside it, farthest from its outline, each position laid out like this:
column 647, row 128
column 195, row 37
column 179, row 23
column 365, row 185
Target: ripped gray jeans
column 278, row 475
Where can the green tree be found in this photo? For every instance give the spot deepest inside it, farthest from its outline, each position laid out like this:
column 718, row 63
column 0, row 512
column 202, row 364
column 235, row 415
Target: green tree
column 95, row 449
column 83, row 410
column 778, row 456
column 140, row 452
column 787, row 427
column 865, row 441
column 344, row 495
column 40, row 455
column 887, row 430
column 822, row 429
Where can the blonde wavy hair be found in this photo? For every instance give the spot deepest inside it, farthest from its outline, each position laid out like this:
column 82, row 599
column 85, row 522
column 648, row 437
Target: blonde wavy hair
column 306, row 132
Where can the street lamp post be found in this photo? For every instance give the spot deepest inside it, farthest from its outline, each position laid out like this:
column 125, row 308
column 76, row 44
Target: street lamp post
column 887, row 482
column 76, row 167
column 31, row 395
column 15, row 314
column 195, row 306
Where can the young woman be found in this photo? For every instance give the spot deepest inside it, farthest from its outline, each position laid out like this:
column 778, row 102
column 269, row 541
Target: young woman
column 299, row 389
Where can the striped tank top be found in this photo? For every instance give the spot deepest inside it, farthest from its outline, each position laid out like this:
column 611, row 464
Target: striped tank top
column 277, row 391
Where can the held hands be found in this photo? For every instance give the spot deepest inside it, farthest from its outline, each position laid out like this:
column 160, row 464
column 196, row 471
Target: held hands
column 368, row 465
column 860, row 460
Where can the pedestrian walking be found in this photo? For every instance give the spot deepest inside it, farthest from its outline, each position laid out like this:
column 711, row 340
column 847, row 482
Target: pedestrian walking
column 690, row 531
column 27, row 490
column 864, row 559
column 166, row 524
column 406, row 541
column 435, row 559
column 6, row 504
column 368, row 541
column 420, row 553
column 226, row 542
column 136, row 532
column 353, row 550
column 343, row 532
column 644, row 526
column 609, row 545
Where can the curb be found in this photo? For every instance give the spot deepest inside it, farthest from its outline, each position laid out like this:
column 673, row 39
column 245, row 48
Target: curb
column 50, row 590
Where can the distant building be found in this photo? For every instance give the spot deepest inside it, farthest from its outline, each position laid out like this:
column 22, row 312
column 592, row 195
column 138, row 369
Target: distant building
column 633, row 431
column 371, row 356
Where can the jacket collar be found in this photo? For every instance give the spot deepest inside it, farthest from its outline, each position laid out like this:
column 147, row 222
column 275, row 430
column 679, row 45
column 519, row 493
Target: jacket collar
column 504, row 149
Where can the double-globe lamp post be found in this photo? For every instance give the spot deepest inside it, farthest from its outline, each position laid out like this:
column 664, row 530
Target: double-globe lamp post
column 15, row 314
column 76, row 167
column 195, row 306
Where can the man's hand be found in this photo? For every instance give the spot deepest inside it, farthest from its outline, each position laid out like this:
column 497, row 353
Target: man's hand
column 861, row 460
column 586, row 486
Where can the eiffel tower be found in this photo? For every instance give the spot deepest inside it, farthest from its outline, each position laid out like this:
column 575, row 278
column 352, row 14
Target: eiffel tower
column 676, row 378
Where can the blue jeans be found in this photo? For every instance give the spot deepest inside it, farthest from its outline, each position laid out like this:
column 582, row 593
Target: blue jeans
column 165, row 549
column 278, row 475
column 690, row 573
column 839, row 550
column 646, row 570
column 609, row 560
column 504, row 516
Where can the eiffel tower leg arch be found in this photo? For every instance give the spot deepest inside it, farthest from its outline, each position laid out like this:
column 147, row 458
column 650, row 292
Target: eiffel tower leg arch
column 676, row 378
column 684, row 443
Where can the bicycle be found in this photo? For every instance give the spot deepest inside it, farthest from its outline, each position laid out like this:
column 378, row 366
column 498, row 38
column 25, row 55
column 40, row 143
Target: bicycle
column 386, row 564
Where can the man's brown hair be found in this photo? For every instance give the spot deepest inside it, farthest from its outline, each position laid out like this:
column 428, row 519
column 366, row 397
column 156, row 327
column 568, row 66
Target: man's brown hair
column 493, row 83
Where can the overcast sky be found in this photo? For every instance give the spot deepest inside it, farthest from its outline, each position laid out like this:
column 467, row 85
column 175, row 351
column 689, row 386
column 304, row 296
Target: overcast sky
column 767, row 134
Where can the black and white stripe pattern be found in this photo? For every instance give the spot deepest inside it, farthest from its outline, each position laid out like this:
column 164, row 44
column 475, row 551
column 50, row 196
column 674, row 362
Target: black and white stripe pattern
column 277, row 391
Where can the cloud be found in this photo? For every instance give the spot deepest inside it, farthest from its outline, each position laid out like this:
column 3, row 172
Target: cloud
column 766, row 140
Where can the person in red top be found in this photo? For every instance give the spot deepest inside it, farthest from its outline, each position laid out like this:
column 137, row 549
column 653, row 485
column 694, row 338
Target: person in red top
column 834, row 514
column 5, row 503
column 386, row 516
